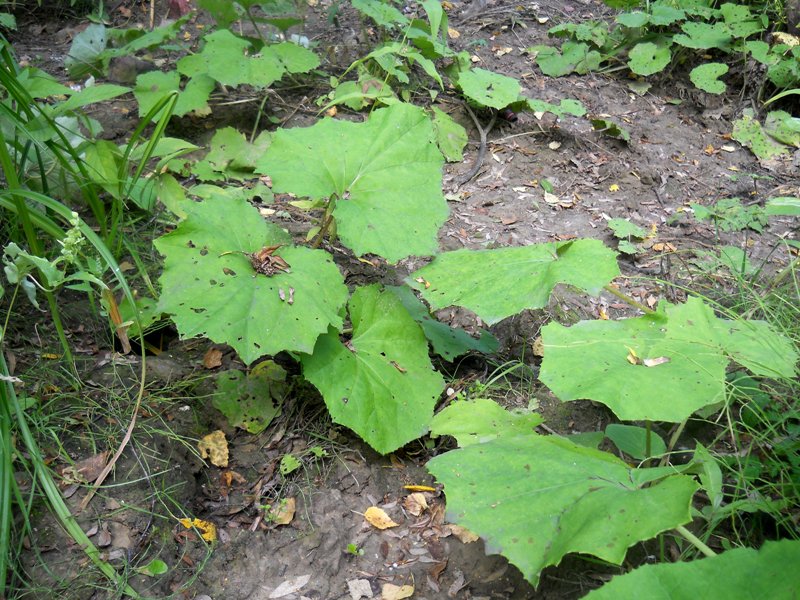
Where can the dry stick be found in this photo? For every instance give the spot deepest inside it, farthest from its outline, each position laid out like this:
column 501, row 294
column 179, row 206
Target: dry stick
column 481, row 150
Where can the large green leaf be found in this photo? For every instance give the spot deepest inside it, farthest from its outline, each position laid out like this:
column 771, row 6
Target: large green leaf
column 487, row 88
column 501, row 282
column 381, row 383
column 446, row 341
column 740, row 573
column 211, row 288
column 646, row 58
column 225, row 57
column 661, row 367
column 481, row 420
column 535, row 498
column 251, row 401
column 385, row 174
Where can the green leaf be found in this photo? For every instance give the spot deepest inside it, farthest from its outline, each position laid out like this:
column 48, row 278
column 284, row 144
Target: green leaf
column 498, row 283
column 572, row 57
column 565, row 107
column 706, row 77
column 632, row 441
column 704, row 36
column 89, row 95
column 611, row 129
column 624, row 228
column 482, row 420
column 227, row 59
column 646, row 58
column 612, row 359
column 535, row 499
column 451, row 137
column 633, row 19
column 251, row 401
column 748, row 132
column 735, row 574
column 381, row 383
column 211, row 288
column 383, row 13
column 224, row 12
column 783, row 127
column 8, row 20
column 785, row 205
column 84, row 54
column 446, row 341
column 231, row 156
column 487, row 88
column 664, row 15
column 385, row 175
column 153, row 568
column 627, row 247
column 289, row 464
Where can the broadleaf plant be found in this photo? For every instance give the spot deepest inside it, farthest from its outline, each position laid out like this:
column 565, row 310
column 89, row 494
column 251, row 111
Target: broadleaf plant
column 380, row 383
column 663, row 366
column 540, row 498
column 211, row 287
column 381, row 179
column 498, row 283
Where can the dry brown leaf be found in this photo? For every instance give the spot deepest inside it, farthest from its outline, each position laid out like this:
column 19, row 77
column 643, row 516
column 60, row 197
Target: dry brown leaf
column 283, row 513
column 415, row 503
column 212, row 358
column 462, row 533
column 389, row 591
column 378, row 518
column 214, row 447
column 538, row 346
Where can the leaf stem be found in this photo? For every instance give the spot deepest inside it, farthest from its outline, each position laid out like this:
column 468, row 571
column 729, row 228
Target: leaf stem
column 628, row 300
column 323, row 230
column 695, row 541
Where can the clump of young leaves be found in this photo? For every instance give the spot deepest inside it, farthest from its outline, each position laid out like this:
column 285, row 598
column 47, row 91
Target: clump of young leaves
column 628, row 233
column 777, row 136
column 730, row 214
column 648, row 37
column 225, row 59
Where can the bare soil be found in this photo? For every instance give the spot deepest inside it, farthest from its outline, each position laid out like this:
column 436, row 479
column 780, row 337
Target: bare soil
column 675, row 156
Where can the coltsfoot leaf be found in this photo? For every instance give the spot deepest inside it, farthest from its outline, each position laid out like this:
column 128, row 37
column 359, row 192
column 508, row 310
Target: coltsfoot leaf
column 661, row 367
column 381, row 383
column 211, row 288
column 536, row 498
column 386, row 175
column 498, row 283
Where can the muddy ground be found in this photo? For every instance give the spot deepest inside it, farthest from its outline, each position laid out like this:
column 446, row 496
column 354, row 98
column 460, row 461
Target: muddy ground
column 327, row 551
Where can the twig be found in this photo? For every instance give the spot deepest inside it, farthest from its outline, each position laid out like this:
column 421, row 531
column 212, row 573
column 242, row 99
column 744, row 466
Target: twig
column 481, row 150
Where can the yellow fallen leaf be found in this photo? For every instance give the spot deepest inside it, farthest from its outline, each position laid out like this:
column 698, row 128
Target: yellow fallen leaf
column 453, row 34
column 786, row 38
column 538, row 346
column 613, row 187
column 462, row 533
column 207, row 529
column 331, row 112
column 419, row 488
column 415, row 503
column 378, row 518
column 283, row 513
column 389, row 591
column 214, row 446
column 632, row 357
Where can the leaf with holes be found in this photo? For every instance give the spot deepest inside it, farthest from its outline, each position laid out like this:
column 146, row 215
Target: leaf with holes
column 536, row 498
column 647, row 58
column 735, row 574
column 385, row 175
column 661, row 367
column 498, row 283
column 446, row 341
column 380, row 383
column 211, row 288
column 251, row 401
column 706, row 77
